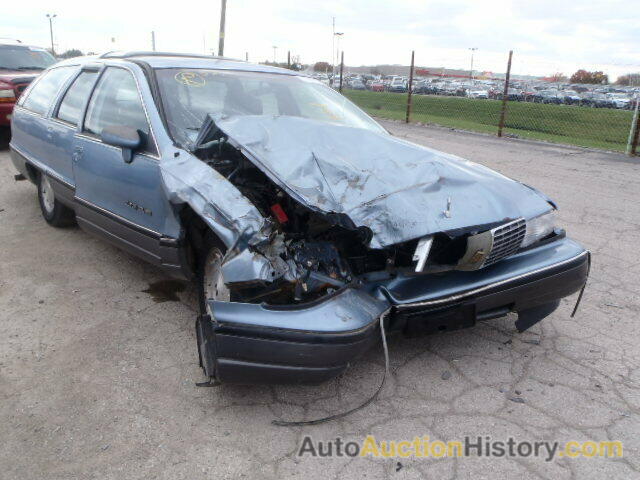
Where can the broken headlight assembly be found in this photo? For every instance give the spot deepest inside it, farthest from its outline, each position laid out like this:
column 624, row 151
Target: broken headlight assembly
column 539, row 227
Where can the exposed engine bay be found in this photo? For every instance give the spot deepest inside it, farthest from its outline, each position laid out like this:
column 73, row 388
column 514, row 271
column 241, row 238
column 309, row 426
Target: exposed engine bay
column 309, row 253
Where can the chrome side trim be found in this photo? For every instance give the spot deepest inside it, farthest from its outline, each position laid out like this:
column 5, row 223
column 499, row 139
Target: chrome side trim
column 21, row 109
column 460, row 296
column 117, row 217
column 63, row 123
column 58, row 178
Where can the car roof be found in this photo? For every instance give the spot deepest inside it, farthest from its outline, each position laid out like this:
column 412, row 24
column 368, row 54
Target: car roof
column 10, row 42
column 178, row 60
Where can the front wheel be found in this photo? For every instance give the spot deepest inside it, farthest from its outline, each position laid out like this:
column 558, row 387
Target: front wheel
column 210, row 282
column 210, row 286
column 55, row 213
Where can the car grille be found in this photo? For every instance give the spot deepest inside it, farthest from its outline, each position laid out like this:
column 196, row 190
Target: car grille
column 507, row 239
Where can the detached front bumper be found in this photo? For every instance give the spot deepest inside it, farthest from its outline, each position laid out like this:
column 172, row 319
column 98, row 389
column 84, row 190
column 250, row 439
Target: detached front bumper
column 311, row 343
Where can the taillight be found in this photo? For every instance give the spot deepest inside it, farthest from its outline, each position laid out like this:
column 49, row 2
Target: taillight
column 7, row 96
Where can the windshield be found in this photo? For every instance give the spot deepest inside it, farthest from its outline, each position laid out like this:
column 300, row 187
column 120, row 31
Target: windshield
column 24, row 58
column 188, row 96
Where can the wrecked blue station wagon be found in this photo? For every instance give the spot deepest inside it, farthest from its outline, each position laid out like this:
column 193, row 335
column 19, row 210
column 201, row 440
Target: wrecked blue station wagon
column 301, row 219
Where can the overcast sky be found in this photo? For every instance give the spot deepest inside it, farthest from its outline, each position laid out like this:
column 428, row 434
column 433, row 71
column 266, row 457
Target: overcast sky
column 546, row 35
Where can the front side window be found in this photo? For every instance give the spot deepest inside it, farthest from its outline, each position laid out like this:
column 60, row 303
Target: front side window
column 116, row 102
column 42, row 94
column 71, row 107
column 188, row 96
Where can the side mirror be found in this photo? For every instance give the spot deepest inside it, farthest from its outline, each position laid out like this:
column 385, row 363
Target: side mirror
column 127, row 138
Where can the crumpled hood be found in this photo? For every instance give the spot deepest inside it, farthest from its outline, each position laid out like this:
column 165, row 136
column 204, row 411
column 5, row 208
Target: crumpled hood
column 397, row 189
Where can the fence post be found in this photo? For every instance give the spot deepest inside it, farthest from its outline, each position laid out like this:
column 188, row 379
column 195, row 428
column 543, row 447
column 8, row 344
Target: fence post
column 341, row 68
column 505, row 95
column 410, row 88
column 632, row 143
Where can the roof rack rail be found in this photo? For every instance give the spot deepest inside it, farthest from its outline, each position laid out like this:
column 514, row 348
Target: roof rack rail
column 142, row 53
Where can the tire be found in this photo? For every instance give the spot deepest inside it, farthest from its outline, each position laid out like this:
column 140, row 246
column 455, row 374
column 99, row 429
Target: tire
column 55, row 213
column 209, row 279
column 208, row 275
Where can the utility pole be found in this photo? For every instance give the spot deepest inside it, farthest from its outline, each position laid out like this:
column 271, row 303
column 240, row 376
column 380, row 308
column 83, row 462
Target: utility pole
column 223, row 14
column 153, row 40
column 505, row 95
column 337, row 53
column 274, row 53
column 341, row 68
column 339, row 35
column 51, row 17
column 410, row 88
column 473, row 49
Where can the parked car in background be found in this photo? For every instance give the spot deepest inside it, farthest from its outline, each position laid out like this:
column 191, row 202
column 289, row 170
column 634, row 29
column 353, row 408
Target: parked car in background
column 597, row 100
column 424, row 87
column 376, row 86
column 513, row 94
column 528, row 94
column 357, row 84
column 619, row 100
column 477, row 94
column 550, row 96
column 307, row 228
column 19, row 65
column 495, row 92
column 571, row 98
column 397, row 85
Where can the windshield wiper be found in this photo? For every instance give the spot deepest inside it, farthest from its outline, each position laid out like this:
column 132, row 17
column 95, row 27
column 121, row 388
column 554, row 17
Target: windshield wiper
column 29, row 67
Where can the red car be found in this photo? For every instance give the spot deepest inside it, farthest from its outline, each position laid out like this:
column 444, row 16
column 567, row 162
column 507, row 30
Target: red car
column 19, row 65
column 376, row 86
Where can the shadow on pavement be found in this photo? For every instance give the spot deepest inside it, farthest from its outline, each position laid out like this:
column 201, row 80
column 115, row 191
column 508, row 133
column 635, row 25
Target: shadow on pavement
column 5, row 135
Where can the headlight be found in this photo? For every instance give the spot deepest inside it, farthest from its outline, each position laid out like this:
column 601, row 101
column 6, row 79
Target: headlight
column 7, row 95
column 539, row 227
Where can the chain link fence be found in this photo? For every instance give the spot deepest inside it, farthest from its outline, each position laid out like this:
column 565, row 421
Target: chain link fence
column 509, row 103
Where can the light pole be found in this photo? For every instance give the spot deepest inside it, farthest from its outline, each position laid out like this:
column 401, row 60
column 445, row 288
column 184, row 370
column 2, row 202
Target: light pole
column 337, row 52
column 333, row 48
column 223, row 16
column 274, row 53
column 473, row 49
column 51, row 17
column 339, row 35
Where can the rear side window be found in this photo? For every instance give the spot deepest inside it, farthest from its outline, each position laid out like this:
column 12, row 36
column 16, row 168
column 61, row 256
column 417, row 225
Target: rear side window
column 116, row 101
column 71, row 107
column 44, row 91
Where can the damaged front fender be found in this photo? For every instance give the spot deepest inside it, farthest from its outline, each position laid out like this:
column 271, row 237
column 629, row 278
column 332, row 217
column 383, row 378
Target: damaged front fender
column 231, row 216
